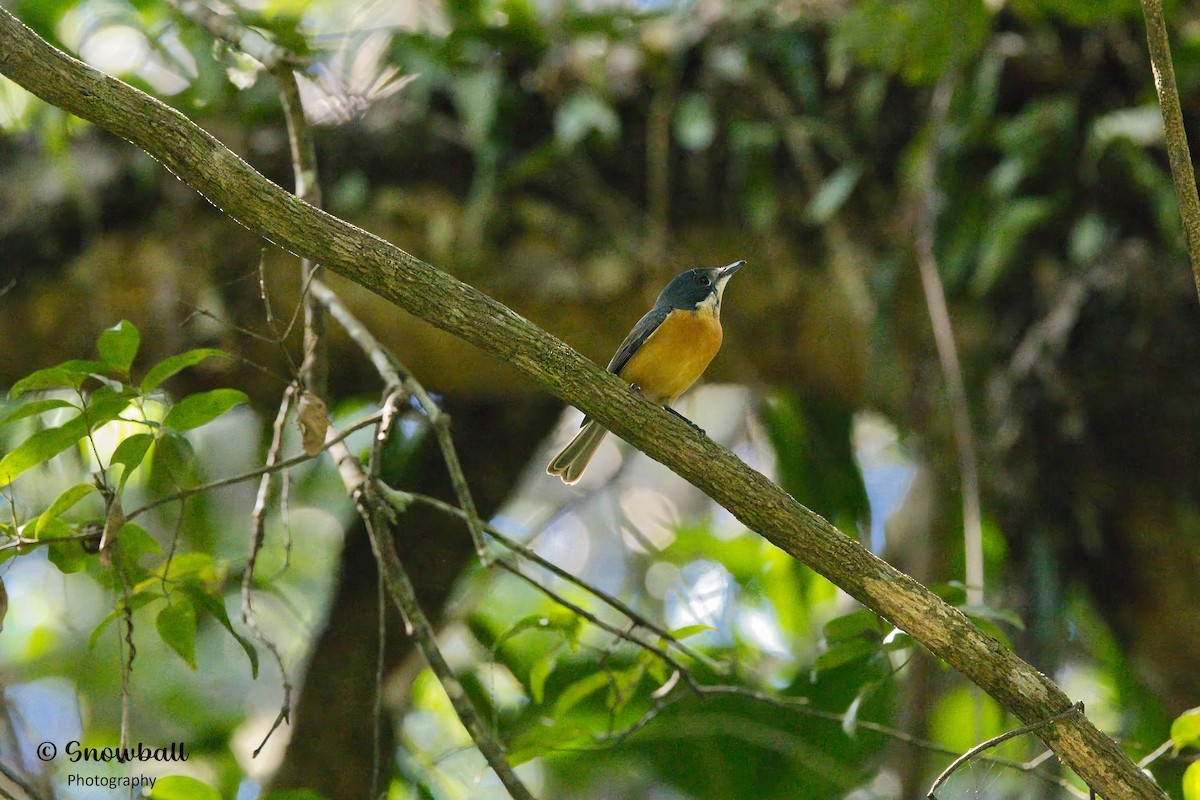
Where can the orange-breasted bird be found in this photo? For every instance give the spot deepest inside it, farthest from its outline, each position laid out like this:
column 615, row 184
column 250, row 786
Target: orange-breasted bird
column 662, row 356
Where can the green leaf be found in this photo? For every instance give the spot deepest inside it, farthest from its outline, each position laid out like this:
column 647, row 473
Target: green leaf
column 214, row 604
column 181, row 787
column 690, row 630
column 579, row 691
column 176, row 625
column 119, row 344
column 136, row 600
column 68, row 556
column 35, row 408
column 545, row 738
column 564, row 622
column 198, row 409
column 105, row 406
column 850, row 626
column 65, row 500
column 1191, row 782
column 175, row 364
column 42, row 446
column 917, row 39
column 538, row 674
column 130, row 453
column 1185, row 730
column 622, row 686
column 842, row 654
column 67, row 375
column 186, row 566
column 136, row 542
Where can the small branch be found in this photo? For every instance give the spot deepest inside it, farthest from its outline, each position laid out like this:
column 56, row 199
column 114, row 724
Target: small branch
column 995, row 740
column 800, row 705
column 395, row 374
column 183, row 494
column 374, row 515
column 258, row 534
column 358, row 333
column 943, row 336
column 531, row 555
column 599, row 623
column 15, row 777
column 1156, row 754
column 314, row 368
column 1177, row 144
column 231, row 31
column 29, row 544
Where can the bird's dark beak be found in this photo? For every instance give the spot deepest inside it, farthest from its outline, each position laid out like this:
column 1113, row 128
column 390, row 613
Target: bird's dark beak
column 725, row 273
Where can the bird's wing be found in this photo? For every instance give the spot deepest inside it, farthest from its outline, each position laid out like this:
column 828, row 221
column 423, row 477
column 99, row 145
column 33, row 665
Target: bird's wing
column 637, row 337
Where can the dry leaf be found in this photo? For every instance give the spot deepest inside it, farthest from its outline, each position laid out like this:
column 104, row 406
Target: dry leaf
column 312, row 418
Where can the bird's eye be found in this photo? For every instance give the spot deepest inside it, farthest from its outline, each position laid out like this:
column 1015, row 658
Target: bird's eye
column 705, row 281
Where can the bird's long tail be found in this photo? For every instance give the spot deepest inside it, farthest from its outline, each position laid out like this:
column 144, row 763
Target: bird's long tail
column 573, row 460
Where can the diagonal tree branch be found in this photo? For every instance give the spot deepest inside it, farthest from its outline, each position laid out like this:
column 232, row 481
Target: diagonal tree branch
column 228, row 182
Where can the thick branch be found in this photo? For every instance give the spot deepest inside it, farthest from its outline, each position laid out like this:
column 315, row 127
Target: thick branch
column 225, row 180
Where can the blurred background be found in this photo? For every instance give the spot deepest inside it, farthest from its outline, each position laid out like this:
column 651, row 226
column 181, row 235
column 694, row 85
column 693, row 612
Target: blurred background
column 568, row 159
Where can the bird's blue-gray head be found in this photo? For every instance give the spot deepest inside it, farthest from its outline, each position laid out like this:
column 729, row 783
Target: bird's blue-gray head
column 697, row 288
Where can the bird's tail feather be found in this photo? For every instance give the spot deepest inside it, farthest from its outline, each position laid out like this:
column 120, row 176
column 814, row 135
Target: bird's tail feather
column 573, row 460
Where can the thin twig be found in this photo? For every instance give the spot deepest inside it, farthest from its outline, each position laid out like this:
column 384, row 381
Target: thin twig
column 314, row 367
column 995, row 740
column 257, row 536
column 383, row 430
column 395, row 373
column 943, row 336
column 14, row 776
column 404, row 596
column 126, row 641
column 599, row 623
column 1177, row 144
column 1156, row 754
column 183, row 494
column 608, row 599
column 233, row 32
column 374, row 515
column 358, row 333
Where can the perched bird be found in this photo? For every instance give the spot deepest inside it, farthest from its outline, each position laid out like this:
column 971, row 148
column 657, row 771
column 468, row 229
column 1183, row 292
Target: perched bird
column 662, row 356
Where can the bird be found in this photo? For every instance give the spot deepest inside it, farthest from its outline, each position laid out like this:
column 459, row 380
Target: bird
column 665, row 353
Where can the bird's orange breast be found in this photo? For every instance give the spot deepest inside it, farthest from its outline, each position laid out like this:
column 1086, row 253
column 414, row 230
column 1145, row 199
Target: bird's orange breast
column 675, row 355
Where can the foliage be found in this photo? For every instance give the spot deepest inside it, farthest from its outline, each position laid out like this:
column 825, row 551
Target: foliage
column 181, row 586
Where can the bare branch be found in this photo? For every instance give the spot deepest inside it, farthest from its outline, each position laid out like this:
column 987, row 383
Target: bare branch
column 995, row 740
column 943, row 336
column 530, row 555
column 229, row 30
column 1177, row 144
column 257, row 535
column 395, row 374
column 249, row 475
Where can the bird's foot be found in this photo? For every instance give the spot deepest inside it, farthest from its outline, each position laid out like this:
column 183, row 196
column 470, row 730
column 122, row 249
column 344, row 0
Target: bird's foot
column 695, row 427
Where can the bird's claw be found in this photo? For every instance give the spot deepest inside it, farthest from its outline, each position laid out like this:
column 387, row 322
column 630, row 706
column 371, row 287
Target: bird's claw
column 693, row 425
